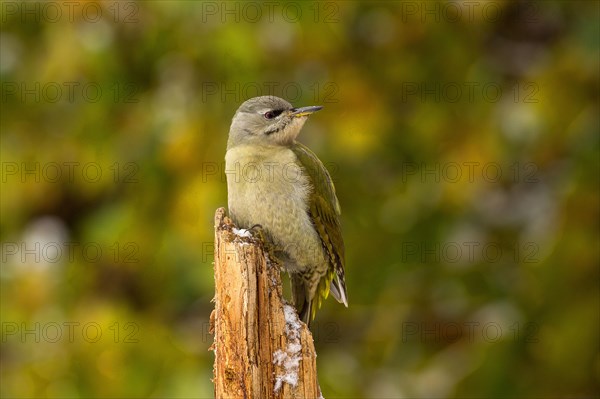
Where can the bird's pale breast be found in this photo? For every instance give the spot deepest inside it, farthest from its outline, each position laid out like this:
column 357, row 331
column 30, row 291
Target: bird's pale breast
column 267, row 186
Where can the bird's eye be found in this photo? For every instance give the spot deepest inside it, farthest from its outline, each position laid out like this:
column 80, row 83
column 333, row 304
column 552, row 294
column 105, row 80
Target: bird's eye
column 272, row 114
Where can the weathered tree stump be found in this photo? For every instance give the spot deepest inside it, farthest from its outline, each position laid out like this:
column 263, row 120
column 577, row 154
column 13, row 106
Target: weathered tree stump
column 262, row 350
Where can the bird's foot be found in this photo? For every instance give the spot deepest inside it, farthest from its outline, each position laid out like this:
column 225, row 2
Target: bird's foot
column 259, row 232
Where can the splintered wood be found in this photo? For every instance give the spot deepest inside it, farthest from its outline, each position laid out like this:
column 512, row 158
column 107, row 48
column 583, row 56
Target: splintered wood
column 262, row 350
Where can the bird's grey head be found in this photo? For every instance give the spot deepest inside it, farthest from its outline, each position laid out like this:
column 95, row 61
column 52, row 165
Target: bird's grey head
column 267, row 120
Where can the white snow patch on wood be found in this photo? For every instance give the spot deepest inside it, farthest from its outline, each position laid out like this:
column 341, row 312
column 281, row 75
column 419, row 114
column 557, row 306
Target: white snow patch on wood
column 290, row 358
column 242, row 233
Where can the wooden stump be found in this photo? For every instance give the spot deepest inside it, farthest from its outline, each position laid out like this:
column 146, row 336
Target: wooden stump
column 262, row 350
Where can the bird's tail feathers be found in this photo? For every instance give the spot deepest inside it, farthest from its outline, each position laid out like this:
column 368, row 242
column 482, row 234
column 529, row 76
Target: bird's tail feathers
column 338, row 289
column 302, row 303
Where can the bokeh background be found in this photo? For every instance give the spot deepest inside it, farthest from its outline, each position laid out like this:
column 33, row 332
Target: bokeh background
column 462, row 138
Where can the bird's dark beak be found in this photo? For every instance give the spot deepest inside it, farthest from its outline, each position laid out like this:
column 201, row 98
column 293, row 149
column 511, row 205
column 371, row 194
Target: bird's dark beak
column 305, row 111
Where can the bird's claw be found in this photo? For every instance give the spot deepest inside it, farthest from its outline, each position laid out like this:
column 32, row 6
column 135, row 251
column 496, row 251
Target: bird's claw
column 259, row 232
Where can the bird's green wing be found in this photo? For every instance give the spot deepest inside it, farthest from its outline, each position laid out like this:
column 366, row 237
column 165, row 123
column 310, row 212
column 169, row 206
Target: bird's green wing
column 325, row 210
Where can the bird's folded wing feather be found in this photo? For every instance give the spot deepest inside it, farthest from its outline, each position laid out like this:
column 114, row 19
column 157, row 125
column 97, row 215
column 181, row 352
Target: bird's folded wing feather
column 325, row 210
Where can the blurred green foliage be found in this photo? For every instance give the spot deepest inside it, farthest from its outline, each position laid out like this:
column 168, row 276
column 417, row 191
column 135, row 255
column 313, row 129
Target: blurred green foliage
column 462, row 138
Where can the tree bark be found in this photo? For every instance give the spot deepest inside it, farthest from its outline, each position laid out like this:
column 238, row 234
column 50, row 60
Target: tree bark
column 262, row 349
